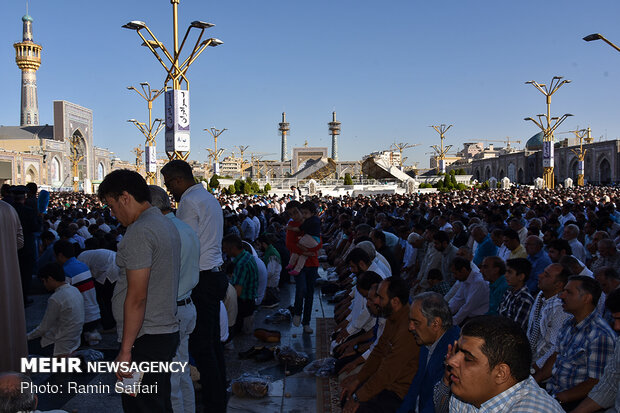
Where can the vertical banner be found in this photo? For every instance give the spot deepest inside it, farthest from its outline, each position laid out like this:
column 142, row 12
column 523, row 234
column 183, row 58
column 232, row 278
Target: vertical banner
column 547, row 151
column 177, row 120
column 150, row 158
column 442, row 166
column 580, row 168
column 216, row 168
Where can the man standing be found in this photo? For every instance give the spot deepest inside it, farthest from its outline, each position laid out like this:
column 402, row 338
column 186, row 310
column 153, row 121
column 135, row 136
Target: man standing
column 201, row 211
column 430, row 322
column 12, row 346
column 182, row 388
column 586, row 343
column 144, row 301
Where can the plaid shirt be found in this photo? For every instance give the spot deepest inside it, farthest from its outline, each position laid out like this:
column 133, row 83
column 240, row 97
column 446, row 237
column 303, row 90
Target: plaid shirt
column 583, row 350
column 516, row 305
column 605, row 393
column 245, row 274
column 552, row 318
column 524, row 397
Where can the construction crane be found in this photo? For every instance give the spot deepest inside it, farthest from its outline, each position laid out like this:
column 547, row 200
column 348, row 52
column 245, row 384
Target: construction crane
column 242, row 150
column 401, row 147
column 506, row 141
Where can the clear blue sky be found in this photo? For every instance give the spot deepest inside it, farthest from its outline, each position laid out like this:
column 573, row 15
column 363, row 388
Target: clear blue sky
column 390, row 69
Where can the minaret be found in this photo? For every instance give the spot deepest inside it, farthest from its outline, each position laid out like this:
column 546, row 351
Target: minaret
column 28, row 59
column 334, row 130
column 284, row 127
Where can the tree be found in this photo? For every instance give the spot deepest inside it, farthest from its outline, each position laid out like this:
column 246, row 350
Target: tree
column 254, row 188
column 347, row 179
column 267, row 187
column 214, row 182
column 239, row 186
column 231, row 189
column 453, row 181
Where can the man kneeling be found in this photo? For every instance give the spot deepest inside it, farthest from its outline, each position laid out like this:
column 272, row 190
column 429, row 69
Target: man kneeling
column 487, row 369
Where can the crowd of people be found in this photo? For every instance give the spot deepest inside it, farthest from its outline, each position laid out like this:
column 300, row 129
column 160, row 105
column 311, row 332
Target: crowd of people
column 502, row 300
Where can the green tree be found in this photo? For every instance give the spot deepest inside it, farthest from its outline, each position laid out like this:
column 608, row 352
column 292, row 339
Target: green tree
column 267, row 187
column 239, row 186
column 347, row 179
column 254, row 188
column 439, row 185
column 214, row 182
column 231, row 189
column 453, row 180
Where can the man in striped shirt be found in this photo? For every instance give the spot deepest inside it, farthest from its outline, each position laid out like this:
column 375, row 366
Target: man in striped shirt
column 517, row 300
column 78, row 275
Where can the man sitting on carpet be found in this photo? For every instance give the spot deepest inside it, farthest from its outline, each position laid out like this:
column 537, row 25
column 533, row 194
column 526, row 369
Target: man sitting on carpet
column 383, row 381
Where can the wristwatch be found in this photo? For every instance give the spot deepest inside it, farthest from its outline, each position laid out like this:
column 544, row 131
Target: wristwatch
column 354, row 397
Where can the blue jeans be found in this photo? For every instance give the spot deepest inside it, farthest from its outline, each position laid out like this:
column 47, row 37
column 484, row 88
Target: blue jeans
column 304, row 293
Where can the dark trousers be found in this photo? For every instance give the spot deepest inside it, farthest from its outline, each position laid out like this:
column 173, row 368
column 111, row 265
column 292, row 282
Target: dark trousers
column 152, row 347
column 304, row 293
column 204, row 343
column 384, row 402
column 104, row 299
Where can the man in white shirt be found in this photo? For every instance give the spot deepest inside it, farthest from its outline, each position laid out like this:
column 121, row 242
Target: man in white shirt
column 472, row 297
column 102, row 265
column 201, row 211
column 571, row 232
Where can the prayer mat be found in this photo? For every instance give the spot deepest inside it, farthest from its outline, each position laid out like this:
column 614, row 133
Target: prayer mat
column 327, row 389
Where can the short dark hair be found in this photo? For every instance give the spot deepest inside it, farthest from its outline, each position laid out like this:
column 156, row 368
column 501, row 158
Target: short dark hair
column 434, row 274
column 292, row 205
column 380, row 235
column 441, row 236
column 511, row 234
column 459, row 263
column 504, row 342
column 357, row 254
column 178, row 169
column 610, row 273
column 588, row 286
column 48, row 235
column 521, row 266
column 561, row 244
column 613, row 301
column 65, row 248
column 121, row 180
column 308, row 206
column 398, row 287
column 498, row 263
column 233, row 240
column 52, row 270
column 367, row 279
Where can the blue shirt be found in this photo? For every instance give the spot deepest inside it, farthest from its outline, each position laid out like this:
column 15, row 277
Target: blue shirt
column 539, row 262
column 485, row 249
column 583, row 350
column 190, row 257
column 430, row 371
column 496, row 294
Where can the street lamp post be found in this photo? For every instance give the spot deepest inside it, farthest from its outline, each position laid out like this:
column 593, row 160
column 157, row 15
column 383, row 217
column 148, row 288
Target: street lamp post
column 149, row 130
column 580, row 154
column 598, row 36
column 177, row 99
column 441, row 151
column 548, row 125
column 214, row 153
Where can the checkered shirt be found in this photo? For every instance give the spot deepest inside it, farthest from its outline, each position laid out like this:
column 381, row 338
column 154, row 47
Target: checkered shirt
column 516, row 305
column 524, row 397
column 245, row 274
column 583, row 350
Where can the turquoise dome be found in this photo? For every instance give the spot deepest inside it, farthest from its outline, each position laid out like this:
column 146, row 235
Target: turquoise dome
column 27, row 18
column 535, row 142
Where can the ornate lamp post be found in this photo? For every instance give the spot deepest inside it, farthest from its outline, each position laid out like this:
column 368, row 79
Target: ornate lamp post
column 580, row 154
column 598, row 36
column 441, row 151
column 149, row 130
column 548, row 125
column 177, row 99
column 214, row 153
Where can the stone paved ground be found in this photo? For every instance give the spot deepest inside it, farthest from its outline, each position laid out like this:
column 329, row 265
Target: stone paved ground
column 293, row 393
